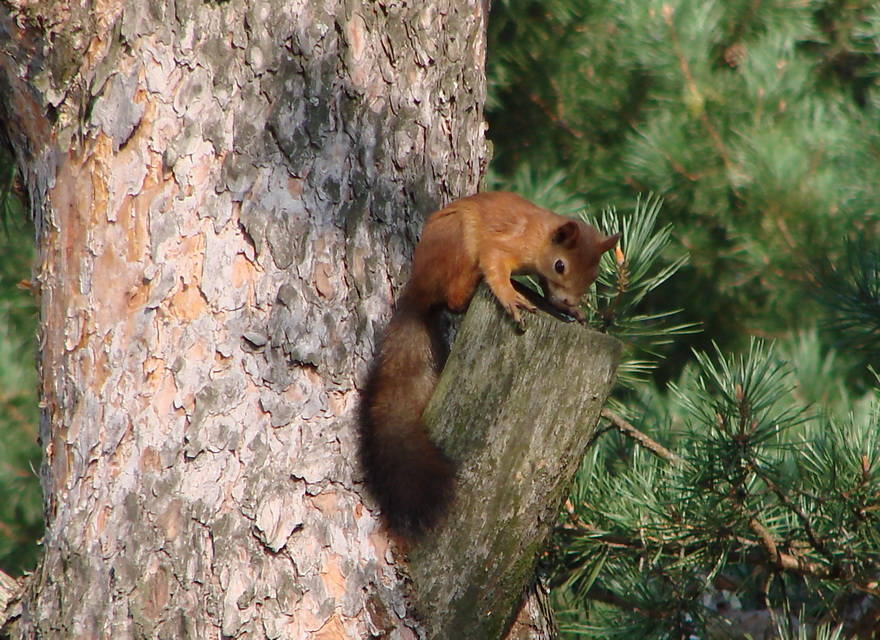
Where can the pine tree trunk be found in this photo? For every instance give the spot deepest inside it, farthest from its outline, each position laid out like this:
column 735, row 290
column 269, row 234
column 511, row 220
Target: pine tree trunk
column 226, row 194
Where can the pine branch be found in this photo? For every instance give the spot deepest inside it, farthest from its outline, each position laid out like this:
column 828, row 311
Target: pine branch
column 555, row 116
column 805, row 521
column 601, row 594
column 694, row 91
column 761, row 553
column 778, row 559
column 640, row 438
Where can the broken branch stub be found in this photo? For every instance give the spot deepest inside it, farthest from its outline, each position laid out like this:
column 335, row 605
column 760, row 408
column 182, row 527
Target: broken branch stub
column 515, row 412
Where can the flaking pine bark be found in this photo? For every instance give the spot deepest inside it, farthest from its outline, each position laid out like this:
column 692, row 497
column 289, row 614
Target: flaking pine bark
column 226, row 196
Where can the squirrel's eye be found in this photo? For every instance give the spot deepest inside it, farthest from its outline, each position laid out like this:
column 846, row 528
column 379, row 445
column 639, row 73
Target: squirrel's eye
column 559, row 266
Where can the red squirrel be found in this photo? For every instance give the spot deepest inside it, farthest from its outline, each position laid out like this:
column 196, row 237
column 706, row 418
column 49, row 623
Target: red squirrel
column 488, row 236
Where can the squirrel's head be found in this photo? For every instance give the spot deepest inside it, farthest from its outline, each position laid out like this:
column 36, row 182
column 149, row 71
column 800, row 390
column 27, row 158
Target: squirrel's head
column 572, row 264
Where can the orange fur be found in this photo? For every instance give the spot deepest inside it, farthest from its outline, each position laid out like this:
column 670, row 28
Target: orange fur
column 489, row 236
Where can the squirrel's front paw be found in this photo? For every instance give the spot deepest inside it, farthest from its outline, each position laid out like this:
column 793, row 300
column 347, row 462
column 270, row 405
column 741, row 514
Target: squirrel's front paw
column 513, row 308
column 514, row 313
column 523, row 303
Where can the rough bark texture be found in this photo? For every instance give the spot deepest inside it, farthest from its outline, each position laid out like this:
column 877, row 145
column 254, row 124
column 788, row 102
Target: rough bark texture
column 535, row 619
column 226, row 194
column 10, row 592
column 515, row 412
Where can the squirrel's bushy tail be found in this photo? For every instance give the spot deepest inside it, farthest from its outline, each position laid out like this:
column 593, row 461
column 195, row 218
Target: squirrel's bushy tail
column 407, row 474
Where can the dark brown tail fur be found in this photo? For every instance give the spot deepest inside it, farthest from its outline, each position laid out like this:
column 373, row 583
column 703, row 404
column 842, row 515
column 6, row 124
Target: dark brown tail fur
column 407, row 474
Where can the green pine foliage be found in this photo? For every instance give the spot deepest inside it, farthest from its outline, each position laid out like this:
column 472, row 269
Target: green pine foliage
column 627, row 275
column 761, row 476
column 754, row 475
column 850, row 290
column 769, row 496
column 756, row 122
column 633, row 270
column 21, row 514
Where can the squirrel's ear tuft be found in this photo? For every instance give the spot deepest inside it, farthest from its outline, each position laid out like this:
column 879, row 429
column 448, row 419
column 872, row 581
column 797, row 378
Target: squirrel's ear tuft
column 567, row 234
column 609, row 242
